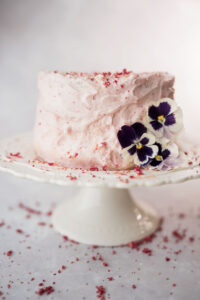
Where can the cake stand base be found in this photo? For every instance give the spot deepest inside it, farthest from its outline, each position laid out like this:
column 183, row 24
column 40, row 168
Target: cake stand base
column 104, row 217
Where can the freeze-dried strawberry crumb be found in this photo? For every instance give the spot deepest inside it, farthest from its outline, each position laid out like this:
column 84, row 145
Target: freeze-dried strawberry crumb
column 178, row 235
column 133, row 286
column 165, row 239
column 167, row 259
column 147, row 251
column 63, row 267
column 110, row 278
column 2, row 224
column 72, row 177
column 29, row 209
column 41, row 223
column 49, row 213
column 46, row 290
column 9, row 253
column 18, row 155
column 191, row 239
column 94, row 169
column 19, row 231
column 101, row 292
column 174, row 284
column 177, row 252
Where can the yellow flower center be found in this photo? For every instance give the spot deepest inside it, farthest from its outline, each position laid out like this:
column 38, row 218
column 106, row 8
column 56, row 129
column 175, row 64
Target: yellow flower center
column 158, row 157
column 161, row 118
column 139, row 146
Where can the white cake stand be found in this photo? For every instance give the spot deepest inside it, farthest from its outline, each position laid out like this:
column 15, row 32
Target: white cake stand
column 103, row 213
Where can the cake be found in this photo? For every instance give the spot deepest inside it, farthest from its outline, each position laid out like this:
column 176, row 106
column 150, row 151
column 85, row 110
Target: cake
column 106, row 121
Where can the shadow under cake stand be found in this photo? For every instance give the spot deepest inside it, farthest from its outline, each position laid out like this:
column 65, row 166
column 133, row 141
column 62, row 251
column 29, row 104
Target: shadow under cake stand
column 103, row 212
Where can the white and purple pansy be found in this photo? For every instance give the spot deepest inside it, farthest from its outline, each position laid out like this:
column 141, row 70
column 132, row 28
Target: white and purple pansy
column 161, row 156
column 139, row 144
column 165, row 119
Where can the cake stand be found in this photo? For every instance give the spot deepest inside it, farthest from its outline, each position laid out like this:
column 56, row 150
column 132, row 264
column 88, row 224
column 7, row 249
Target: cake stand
column 103, row 212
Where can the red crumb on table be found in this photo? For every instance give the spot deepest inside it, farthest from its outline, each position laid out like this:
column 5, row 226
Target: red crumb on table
column 177, row 252
column 9, row 253
column 178, row 235
column 110, row 278
column 174, row 284
column 49, row 213
column 45, row 290
column 133, row 286
column 147, row 251
column 122, row 86
column 18, row 155
column 65, row 238
column 167, row 258
column 41, row 223
column 29, row 209
column 101, row 291
column 2, row 224
column 191, row 239
column 19, row 231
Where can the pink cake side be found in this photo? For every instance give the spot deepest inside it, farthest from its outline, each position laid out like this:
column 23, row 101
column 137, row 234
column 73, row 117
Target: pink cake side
column 79, row 115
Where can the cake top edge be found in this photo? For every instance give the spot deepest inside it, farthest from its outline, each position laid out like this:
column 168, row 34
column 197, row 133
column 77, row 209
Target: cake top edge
column 116, row 74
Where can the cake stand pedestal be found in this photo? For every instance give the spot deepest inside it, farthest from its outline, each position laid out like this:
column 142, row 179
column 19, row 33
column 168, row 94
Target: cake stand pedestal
column 103, row 212
column 104, row 216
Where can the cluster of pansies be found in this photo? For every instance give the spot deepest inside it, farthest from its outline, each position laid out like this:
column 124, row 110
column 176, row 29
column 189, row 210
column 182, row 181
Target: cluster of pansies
column 152, row 142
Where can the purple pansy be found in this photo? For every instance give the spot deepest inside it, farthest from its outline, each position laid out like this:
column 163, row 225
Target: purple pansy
column 161, row 156
column 139, row 145
column 165, row 118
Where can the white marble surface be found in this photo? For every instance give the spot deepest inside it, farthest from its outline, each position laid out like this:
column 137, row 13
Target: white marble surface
column 153, row 275
column 86, row 35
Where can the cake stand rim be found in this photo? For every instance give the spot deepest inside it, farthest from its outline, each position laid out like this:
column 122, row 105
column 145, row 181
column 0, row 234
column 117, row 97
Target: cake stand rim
column 141, row 182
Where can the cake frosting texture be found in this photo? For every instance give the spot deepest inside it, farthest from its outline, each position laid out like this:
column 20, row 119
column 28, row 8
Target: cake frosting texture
column 79, row 114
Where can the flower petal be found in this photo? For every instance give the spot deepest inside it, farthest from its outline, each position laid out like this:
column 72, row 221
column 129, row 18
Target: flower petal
column 153, row 112
column 138, row 162
column 142, row 155
column 156, row 125
column 132, row 150
column 165, row 154
column 155, row 162
column 176, row 127
column 154, row 149
column 126, row 136
column 171, row 102
column 139, row 129
column 170, row 120
column 147, row 139
column 164, row 108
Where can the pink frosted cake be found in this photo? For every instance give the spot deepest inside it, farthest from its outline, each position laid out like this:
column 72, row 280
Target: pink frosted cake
column 106, row 120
